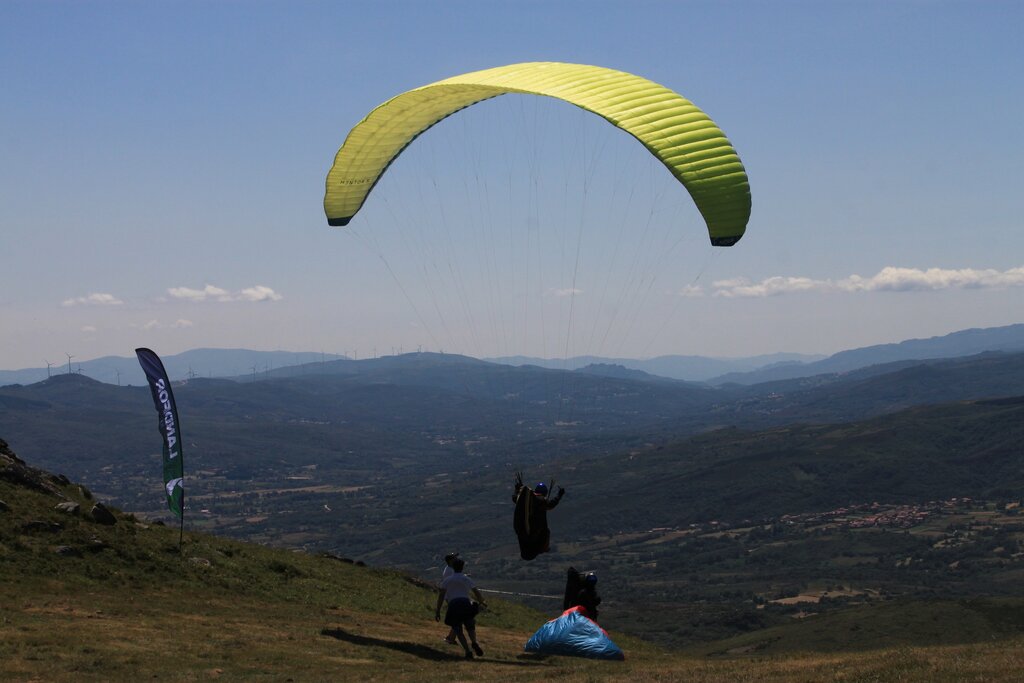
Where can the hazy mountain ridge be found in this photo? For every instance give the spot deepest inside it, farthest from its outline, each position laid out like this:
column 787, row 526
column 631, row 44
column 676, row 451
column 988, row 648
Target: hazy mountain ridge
column 245, row 364
column 884, row 388
column 383, row 410
column 782, row 366
column 682, row 367
column 420, row 410
column 125, row 370
column 963, row 343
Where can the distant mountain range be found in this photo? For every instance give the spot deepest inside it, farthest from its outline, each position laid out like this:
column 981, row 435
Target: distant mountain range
column 248, row 364
column 194, row 363
column 780, row 366
column 690, row 368
column 963, row 343
column 407, row 414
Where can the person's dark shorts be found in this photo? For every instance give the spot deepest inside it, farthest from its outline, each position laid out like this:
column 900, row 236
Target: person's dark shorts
column 460, row 613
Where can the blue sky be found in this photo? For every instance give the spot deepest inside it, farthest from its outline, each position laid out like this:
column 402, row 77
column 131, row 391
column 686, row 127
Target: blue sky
column 162, row 169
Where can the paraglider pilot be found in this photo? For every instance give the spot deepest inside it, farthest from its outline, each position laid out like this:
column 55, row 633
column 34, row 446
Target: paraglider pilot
column 540, row 491
column 588, row 598
column 531, row 517
column 581, row 590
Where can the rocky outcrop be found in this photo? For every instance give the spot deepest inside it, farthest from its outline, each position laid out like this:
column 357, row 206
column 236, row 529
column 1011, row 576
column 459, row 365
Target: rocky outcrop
column 101, row 514
column 14, row 470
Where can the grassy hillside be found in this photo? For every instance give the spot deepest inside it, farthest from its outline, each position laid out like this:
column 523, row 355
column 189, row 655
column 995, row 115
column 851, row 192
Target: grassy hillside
column 925, row 453
column 82, row 599
column 86, row 601
column 898, row 624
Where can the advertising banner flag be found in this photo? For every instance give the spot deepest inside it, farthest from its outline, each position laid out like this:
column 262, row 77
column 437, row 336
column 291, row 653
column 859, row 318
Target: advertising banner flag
column 163, row 399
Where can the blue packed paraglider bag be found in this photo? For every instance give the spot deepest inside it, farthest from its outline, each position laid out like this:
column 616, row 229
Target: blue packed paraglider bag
column 574, row 634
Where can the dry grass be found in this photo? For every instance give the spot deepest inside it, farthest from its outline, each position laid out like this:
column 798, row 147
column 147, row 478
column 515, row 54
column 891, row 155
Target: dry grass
column 136, row 609
column 69, row 635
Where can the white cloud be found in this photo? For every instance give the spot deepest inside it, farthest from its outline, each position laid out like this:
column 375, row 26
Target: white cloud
column 889, row 279
column 911, row 279
column 212, row 293
column 94, row 299
column 566, row 292
column 259, row 293
column 209, row 292
column 770, row 287
column 691, row 291
column 88, row 329
column 154, row 324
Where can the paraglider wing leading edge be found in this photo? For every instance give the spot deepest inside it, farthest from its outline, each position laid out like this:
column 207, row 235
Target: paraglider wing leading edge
column 673, row 129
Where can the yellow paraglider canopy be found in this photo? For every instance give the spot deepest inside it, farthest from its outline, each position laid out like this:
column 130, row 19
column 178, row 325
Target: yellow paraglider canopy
column 671, row 127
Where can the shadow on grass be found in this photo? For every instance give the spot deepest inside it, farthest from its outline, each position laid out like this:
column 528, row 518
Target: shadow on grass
column 414, row 649
column 417, row 650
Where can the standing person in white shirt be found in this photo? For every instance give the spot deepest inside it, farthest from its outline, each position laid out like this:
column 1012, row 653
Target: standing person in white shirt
column 448, row 571
column 456, row 590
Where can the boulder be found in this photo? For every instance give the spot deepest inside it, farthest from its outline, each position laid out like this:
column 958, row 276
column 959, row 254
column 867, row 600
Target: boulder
column 101, row 514
column 40, row 525
column 4, row 507
column 69, row 508
column 95, row 545
column 67, row 551
column 332, row 556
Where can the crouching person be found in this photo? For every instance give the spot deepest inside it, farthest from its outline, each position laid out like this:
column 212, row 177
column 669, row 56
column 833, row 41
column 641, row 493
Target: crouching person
column 456, row 589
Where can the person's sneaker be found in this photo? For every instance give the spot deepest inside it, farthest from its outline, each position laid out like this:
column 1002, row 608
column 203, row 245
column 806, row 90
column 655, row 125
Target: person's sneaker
column 478, row 650
column 450, row 641
column 469, row 655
